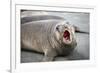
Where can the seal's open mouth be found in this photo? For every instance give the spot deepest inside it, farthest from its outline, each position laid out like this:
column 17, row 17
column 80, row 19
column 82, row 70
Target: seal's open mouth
column 66, row 35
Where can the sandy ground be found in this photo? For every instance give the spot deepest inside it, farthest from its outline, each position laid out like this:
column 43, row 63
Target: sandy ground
column 81, row 52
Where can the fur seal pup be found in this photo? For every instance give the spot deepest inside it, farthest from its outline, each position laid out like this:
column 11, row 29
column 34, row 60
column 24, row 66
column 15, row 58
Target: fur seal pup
column 52, row 37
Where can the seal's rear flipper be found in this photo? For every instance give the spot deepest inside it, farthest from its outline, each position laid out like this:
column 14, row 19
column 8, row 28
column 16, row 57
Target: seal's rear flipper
column 78, row 30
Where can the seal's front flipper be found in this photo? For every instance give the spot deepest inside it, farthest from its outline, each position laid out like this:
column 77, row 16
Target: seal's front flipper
column 78, row 30
column 46, row 59
column 49, row 55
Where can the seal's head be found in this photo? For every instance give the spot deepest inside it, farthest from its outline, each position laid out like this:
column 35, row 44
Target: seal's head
column 65, row 33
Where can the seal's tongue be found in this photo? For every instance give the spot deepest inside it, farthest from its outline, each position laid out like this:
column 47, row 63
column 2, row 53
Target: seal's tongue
column 66, row 35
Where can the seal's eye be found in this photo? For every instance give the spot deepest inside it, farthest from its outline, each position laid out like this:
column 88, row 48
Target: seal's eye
column 57, row 28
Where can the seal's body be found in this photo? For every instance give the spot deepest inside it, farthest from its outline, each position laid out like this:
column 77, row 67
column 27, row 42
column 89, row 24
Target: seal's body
column 52, row 37
column 46, row 34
